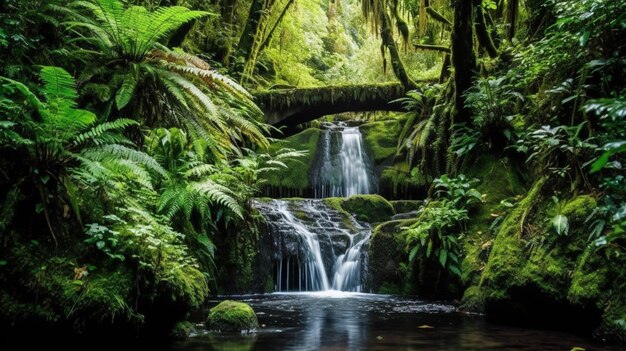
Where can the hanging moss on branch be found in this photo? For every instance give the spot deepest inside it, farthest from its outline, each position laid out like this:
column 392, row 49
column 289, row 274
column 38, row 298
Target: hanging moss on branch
column 334, row 94
column 441, row 48
column 437, row 16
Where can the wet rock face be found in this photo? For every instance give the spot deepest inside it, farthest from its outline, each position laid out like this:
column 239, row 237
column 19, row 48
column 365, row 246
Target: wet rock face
column 311, row 242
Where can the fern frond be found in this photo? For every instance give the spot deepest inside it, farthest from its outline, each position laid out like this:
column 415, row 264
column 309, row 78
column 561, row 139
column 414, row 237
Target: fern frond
column 127, row 90
column 200, row 171
column 108, row 152
column 98, row 131
column 218, row 194
column 59, row 86
column 192, row 89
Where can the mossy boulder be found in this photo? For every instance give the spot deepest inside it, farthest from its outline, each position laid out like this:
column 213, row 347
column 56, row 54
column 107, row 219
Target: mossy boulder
column 182, row 330
column 296, row 176
column 368, row 208
column 232, row 316
column 380, row 139
column 388, row 258
column 578, row 209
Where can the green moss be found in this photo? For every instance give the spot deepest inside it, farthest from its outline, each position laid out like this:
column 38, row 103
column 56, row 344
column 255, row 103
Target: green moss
column 296, row 176
column 388, row 258
column 368, row 208
column 579, row 208
column 548, row 270
column 380, row 139
column 187, row 284
column 233, row 316
column 590, row 279
column 404, row 206
column 182, row 330
column 398, row 181
column 507, row 256
column 498, row 181
column 473, row 299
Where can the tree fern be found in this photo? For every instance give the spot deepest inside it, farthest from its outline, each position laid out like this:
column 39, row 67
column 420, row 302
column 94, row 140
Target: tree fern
column 147, row 75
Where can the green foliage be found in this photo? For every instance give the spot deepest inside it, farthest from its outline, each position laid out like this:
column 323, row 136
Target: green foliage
column 418, row 130
column 54, row 134
column 146, row 76
column 131, row 33
column 492, row 102
column 442, row 222
column 460, row 190
column 434, row 236
column 561, row 149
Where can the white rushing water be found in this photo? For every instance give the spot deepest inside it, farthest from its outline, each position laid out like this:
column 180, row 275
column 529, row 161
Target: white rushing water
column 316, row 248
column 353, row 167
column 342, row 167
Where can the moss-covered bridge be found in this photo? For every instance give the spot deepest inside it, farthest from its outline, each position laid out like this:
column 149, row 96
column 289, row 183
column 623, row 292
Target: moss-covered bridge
column 290, row 107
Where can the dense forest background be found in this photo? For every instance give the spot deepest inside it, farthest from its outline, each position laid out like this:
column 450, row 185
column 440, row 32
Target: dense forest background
column 131, row 147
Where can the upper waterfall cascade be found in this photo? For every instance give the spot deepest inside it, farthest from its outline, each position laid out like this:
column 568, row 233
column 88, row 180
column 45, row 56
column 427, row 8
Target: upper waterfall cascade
column 342, row 167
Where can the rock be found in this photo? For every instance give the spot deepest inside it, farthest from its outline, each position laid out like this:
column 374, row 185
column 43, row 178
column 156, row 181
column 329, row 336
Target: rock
column 232, row 316
column 368, row 208
column 182, row 330
column 403, row 206
column 406, row 215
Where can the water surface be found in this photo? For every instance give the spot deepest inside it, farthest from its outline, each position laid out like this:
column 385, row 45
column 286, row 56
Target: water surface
column 333, row 320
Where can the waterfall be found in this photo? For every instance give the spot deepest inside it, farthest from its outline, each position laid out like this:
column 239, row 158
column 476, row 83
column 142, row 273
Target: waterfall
column 341, row 167
column 315, row 246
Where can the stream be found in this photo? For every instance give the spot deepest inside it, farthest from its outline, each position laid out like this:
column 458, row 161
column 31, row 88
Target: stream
column 319, row 258
column 333, row 320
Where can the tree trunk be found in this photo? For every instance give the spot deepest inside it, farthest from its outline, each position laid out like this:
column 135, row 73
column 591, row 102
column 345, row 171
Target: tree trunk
column 267, row 39
column 445, row 69
column 483, row 35
column 511, row 18
column 463, row 55
column 389, row 43
column 246, row 41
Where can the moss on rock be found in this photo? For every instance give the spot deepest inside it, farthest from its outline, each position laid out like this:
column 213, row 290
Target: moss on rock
column 507, row 256
column 232, row 316
column 368, row 208
column 182, row 330
column 380, row 139
column 296, row 176
column 405, row 206
column 388, row 258
column 578, row 209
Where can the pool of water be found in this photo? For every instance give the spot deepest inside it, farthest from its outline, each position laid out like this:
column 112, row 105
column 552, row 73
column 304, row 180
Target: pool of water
column 355, row 321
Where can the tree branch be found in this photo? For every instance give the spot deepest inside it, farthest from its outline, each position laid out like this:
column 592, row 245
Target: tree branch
column 440, row 48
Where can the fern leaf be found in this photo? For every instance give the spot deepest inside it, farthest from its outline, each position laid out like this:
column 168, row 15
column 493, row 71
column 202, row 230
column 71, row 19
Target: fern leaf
column 126, row 91
column 59, row 86
column 108, row 152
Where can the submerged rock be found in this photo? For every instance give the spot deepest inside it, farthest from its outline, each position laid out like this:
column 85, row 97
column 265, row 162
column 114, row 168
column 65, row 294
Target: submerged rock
column 232, row 316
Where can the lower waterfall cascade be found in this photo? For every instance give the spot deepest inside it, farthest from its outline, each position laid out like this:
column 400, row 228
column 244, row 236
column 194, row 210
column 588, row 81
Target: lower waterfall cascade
column 315, row 247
